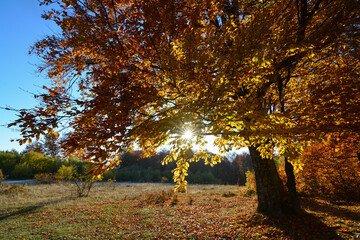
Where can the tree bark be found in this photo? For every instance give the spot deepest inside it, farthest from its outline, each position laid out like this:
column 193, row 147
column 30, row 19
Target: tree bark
column 291, row 186
column 289, row 169
column 269, row 187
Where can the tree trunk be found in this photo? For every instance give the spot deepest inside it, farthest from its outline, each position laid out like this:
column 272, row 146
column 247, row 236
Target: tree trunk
column 289, row 169
column 291, row 186
column 269, row 187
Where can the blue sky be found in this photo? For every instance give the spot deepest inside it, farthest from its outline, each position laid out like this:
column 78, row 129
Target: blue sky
column 21, row 25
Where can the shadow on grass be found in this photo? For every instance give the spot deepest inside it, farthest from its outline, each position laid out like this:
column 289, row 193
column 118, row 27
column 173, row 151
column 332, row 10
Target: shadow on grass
column 302, row 226
column 336, row 211
column 31, row 209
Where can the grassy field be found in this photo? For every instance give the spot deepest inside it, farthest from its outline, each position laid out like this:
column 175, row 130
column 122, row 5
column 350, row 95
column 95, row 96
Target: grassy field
column 152, row 211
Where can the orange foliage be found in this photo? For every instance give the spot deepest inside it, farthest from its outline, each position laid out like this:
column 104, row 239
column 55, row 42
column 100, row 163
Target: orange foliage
column 332, row 168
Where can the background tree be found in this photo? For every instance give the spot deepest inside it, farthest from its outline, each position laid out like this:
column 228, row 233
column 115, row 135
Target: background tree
column 34, row 147
column 50, row 146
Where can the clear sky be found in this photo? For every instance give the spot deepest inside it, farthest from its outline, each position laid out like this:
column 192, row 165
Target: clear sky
column 21, row 25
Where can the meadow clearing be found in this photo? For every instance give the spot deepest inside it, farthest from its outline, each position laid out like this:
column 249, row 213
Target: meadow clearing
column 153, row 211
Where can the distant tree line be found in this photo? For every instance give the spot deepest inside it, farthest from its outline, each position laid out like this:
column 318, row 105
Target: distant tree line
column 36, row 159
column 137, row 169
column 26, row 165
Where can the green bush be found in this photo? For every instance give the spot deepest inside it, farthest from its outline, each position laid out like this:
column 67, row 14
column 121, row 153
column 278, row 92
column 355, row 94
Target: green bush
column 22, row 171
column 66, row 172
column 31, row 156
column 40, row 163
column 78, row 165
column 8, row 160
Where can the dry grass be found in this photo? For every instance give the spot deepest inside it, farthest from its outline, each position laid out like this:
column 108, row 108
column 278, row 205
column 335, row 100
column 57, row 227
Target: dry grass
column 53, row 195
column 152, row 211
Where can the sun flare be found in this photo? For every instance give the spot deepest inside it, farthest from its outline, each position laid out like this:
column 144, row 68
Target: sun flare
column 187, row 135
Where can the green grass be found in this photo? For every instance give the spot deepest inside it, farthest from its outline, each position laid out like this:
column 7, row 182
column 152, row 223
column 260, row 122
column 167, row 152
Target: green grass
column 129, row 212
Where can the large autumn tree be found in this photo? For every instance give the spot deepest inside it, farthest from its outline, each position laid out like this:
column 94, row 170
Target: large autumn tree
column 128, row 72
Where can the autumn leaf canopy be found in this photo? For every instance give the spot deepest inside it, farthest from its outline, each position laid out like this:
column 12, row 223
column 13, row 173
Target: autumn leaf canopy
column 253, row 73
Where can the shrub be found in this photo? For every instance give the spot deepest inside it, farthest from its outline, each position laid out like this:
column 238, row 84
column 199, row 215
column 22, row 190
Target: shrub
column 40, row 163
column 84, row 182
column 8, row 160
column 45, row 178
column 45, row 165
column 250, row 184
column 65, row 172
column 229, row 194
column 83, row 185
column 158, row 197
column 22, row 171
column 78, row 165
